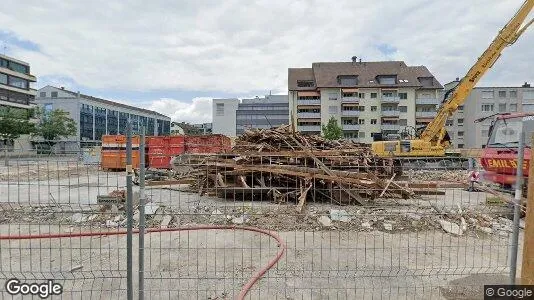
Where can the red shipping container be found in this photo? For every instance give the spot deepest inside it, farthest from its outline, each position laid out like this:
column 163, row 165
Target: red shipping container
column 209, row 144
column 162, row 148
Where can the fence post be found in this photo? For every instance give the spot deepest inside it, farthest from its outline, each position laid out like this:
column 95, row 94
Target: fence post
column 142, row 214
column 517, row 207
column 527, row 268
column 129, row 211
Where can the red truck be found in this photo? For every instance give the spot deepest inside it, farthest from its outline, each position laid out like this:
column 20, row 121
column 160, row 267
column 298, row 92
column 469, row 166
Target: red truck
column 499, row 157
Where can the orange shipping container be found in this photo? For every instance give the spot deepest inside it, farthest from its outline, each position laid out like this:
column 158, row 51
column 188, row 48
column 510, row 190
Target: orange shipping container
column 113, row 155
column 215, row 143
column 162, row 148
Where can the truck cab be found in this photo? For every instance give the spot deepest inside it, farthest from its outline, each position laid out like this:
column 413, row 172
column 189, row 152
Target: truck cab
column 499, row 157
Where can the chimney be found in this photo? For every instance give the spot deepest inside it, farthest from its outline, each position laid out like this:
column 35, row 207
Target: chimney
column 360, row 60
column 354, row 59
column 526, row 84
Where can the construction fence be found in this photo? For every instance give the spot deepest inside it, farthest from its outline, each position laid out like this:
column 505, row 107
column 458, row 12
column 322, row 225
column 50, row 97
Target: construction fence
column 299, row 224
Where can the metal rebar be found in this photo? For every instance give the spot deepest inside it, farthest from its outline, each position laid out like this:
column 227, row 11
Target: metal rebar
column 142, row 214
column 517, row 206
column 129, row 212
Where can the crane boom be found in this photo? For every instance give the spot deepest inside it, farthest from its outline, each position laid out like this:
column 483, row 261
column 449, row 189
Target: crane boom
column 435, row 130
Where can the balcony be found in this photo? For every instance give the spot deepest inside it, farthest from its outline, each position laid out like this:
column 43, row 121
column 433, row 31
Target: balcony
column 390, row 113
column 350, row 99
column 390, row 99
column 350, row 127
column 309, row 102
column 350, row 113
column 308, row 128
column 425, row 100
column 390, row 127
column 425, row 114
column 309, row 115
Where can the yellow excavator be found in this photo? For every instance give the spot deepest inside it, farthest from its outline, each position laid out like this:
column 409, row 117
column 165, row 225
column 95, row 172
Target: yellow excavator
column 433, row 140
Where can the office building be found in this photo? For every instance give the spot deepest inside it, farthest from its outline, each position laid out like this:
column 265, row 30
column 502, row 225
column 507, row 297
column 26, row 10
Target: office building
column 96, row 117
column 366, row 98
column 223, row 116
column 267, row 112
column 16, row 95
column 483, row 102
column 204, row 128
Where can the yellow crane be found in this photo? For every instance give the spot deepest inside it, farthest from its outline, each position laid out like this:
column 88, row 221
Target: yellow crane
column 434, row 140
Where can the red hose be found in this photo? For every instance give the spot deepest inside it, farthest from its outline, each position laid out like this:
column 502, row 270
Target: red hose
column 244, row 291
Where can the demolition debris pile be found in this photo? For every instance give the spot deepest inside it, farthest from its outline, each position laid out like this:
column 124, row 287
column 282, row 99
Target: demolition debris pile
column 282, row 166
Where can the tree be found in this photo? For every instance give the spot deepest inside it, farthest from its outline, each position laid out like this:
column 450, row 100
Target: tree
column 332, row 131
column 15, row 122
column 54, row 124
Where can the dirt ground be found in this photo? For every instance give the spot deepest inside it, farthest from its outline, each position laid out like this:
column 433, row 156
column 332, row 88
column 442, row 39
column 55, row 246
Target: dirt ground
column 390, row 249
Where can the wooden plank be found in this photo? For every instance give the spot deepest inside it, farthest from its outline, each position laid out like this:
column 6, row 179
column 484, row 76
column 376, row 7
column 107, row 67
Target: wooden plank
column 220, row 180
column 171, row 182
column 243, row 182
column 387, row 185
column 302, row 197
column 527, row 268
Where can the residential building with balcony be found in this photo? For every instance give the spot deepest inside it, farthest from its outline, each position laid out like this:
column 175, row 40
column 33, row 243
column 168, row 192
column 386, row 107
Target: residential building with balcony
column 16, row 94
column 483, row 102
column 95, row 117
column 366, row 98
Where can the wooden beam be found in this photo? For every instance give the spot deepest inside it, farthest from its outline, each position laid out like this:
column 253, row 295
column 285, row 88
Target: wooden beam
column 527, row 267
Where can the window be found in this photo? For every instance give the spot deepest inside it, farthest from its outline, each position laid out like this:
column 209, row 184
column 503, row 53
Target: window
column 53, row 94
column 460, row 133
column 513, row 94
column 361, row 95
column 403, row 109
column 347, row 80
column 47, row 107
column 361, row 134
column 18, row 67
column 460, row 122
column 487, row 94
column 374, row 95
column 332, row 96
column 332, row 109
column 387, row 79
column 484, row 133
column 426, row 81
column 449, row 123
column 220, row 109
column 460, row 146
column 305, row 83
column 373, row 108
column 502, row 107
column 487, row 107
column 403, row 122
column 373, row 121
column 403, row 96
column 461, row 108
column 3, row 78
column 528, row 95
column 18, row 82
column 42, row 94
column 502, row 94
column 513, row 107
column 361, row 108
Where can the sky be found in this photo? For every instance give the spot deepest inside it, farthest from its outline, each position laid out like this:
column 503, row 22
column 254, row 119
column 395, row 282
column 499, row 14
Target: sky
column 175, row 56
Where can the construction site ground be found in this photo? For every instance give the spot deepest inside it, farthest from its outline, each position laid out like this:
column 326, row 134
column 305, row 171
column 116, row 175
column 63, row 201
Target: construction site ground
column 392, row 248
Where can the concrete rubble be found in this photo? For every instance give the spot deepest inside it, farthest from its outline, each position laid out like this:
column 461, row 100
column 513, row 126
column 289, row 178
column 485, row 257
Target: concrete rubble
column 340, row 215
column 451, row 227
column 325, row 221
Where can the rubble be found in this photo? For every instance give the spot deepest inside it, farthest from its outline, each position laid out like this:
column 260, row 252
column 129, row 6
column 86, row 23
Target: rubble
column 325, row 221
column 110, row 224
column 151, row 208
column 388, row 226
column 78, row 218
column 339, row 215
column 367, row 225
column 451, row 227
column 239, row 220
column 166, row 221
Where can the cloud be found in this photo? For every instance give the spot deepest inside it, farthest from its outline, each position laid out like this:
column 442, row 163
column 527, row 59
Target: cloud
column 197, row 110
column 243, row 46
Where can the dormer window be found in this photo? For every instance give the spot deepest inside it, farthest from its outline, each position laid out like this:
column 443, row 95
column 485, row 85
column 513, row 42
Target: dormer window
column 387, row 79
column 426, row 81
column 347, row 80
column 305, row 83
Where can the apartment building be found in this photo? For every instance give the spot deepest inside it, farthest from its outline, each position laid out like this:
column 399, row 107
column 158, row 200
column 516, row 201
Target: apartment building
column 366, row 98
column 232, row 117
column 483, row 102
column 267, row 112
column 95, row 117
column 16, row 95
